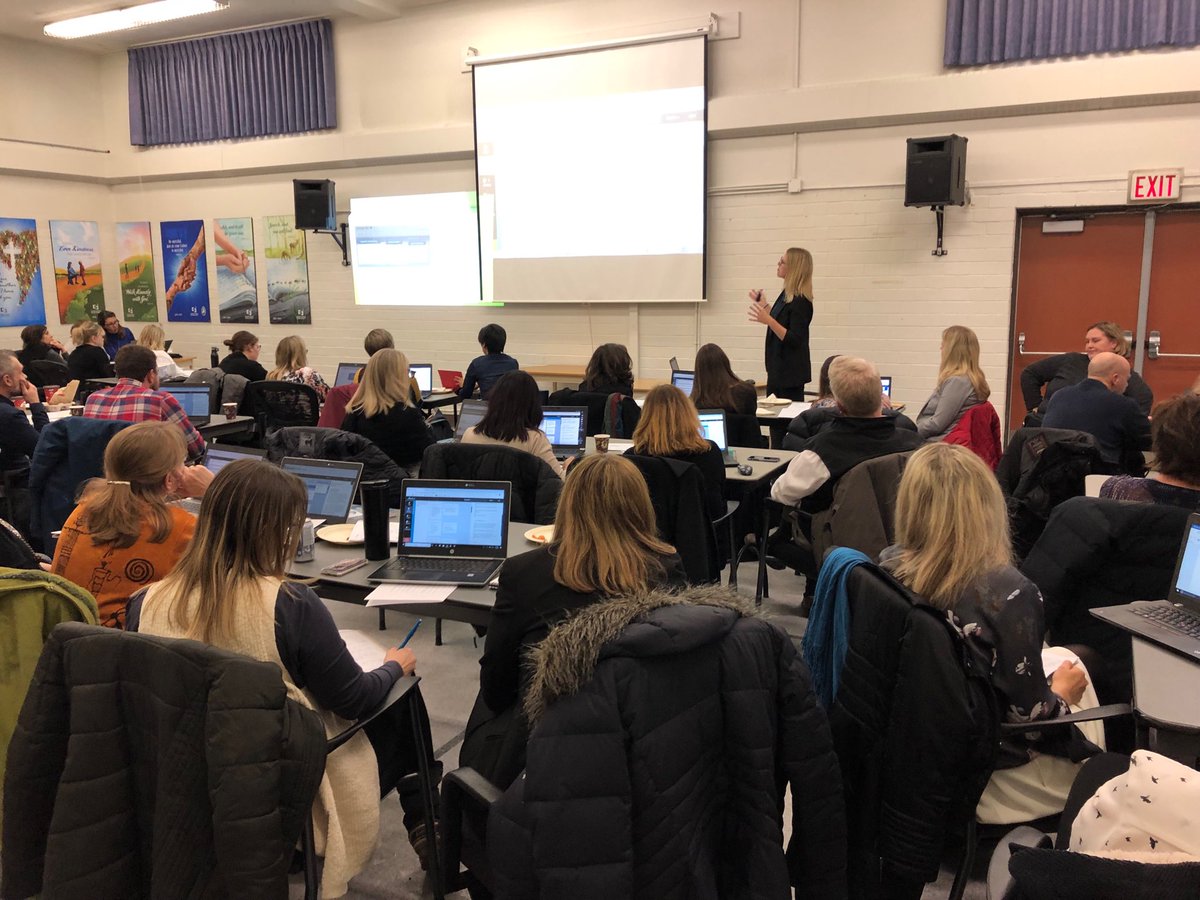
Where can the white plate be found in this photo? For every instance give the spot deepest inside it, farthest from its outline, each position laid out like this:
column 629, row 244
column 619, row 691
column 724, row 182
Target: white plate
column 338, row 534
column 543, row 534
column 773, row 401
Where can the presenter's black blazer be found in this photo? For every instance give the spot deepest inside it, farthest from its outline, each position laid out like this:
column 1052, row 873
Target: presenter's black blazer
column 789, row 367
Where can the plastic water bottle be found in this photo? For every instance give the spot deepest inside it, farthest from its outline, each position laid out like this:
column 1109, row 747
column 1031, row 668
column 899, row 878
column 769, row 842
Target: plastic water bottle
column 308, row 540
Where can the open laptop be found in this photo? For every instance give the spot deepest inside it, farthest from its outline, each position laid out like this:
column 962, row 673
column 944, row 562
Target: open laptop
column 218, row 456
column 331, row 486
column 346, row 372
column 674, row 362
column 566, row 427
column 423, row 372
column 886, row 382
column 196, row 400
column 1173, row 623
column 683, row 379
column 470, row 414
column 451, row 532
column 713, row 427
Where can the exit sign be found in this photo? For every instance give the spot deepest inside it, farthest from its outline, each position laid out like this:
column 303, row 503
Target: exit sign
column 1155, row 185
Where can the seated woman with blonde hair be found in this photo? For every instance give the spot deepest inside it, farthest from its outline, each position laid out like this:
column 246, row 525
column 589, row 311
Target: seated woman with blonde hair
column 670, row 427
column 88, row 359
column 124, row 534
column 152, row 336
column 230, row 590
column 605, row 545
column 382, row 410
column 961, row 384
column 291, row 364
column 953, row 550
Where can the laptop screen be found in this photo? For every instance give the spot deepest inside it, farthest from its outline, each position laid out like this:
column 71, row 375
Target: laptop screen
column 886, row 382
column 470, row 414
column 330, row 485
column 565, row 426
column 424, row 375
column 219, row 456
column 683, row 380
column 196, row 399
column 712, row 426
column 454, row 517
column 1187, row 578
column 346, row 373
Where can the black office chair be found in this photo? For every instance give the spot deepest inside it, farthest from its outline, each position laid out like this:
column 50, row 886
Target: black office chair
column 42, row 372
column 623, row 419
column 280, row 404
column 744, row 430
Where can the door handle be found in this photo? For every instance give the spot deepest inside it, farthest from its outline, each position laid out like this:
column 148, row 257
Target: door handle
column 1154, row 349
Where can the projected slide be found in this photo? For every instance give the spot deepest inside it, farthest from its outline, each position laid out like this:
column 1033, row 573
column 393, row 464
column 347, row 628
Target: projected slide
column 415, row 250
column 591, row 175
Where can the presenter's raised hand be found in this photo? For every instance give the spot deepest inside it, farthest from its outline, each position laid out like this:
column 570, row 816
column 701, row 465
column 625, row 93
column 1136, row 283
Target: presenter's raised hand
column 759, row 312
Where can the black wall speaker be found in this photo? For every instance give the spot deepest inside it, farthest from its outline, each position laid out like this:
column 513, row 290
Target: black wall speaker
column 315, row 205
column 936, row 172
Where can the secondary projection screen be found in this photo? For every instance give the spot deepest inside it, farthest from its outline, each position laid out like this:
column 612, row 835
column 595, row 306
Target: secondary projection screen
column 590, row 170
column 415, row 250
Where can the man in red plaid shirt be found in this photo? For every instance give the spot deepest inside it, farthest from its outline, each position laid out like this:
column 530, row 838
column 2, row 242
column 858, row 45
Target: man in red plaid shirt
column 136, row 397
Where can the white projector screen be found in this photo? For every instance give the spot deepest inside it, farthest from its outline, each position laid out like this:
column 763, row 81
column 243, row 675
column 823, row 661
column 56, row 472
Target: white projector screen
column 590, row 170
column 415, row 250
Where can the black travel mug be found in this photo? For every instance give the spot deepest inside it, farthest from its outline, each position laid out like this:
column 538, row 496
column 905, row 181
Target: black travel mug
column 374, row 495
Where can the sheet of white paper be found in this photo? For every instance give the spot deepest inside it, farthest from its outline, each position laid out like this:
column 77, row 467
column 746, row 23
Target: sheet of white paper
column 793, row 409
column 358, row 534
column 400, row 594
column 619, row 446
column 365, row 648
column 1053, row 657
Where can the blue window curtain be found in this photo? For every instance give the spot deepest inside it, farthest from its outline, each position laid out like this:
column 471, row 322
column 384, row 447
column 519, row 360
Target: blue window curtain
column 244, row 84
column 990, row 31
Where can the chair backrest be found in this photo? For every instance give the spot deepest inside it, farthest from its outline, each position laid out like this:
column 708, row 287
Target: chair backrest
column 863, row 513
column 42, row 372
column 916, row 727
column 333, row 413
column 744, row 430
column 215, row 379
column 342, row 446
column 677, row 494
column 613, row 414
column 535, row 486
column 233, row 390
column 978, row 430
column 279, row 404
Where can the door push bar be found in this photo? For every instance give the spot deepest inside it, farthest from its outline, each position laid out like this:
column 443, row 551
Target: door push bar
column 1021, row 351
column 1153, row 350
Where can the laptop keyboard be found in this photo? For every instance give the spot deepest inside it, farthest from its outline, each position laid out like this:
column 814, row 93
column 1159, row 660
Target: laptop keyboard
column 438, row 564
column 1175, row 619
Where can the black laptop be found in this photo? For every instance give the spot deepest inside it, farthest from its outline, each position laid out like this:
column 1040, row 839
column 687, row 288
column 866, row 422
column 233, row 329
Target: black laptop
column 683, row 379
column 196, row 400
column 566, row 427
column 218, row 456
column 1173, row 623
column 331, row 486
column 451, row 532
column 714, row 428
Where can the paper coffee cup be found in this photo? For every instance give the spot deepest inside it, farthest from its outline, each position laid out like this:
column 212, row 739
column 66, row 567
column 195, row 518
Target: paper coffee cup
column 230, row 410
column 601, row 443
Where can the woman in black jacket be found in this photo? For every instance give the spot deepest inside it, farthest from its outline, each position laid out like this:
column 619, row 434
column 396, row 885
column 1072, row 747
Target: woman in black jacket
column 37, row 343
column 604, row 545
column 88, row 359
column 382, row 411
column 243, row 357
column 788, row 366
column 609, row 371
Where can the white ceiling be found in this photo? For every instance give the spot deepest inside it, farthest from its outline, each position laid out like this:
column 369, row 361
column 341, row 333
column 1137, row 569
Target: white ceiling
column 26, row 18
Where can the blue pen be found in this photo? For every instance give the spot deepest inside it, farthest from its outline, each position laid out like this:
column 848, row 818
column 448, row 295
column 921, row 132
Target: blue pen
column 408, row 637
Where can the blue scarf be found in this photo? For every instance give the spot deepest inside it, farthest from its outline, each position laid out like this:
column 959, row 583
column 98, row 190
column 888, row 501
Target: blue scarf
column 828, row 633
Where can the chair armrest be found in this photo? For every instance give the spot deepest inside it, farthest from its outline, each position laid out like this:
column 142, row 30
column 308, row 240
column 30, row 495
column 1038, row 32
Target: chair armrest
column 731, row 507
column 461, row 789
column 999, row 881
column 399, row 691
column 1111, row 711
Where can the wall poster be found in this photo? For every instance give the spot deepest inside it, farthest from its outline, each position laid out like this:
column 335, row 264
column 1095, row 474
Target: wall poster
column 287, row 272
column 77, row 278
column 237, row 291
column 21, row 300
column 185, row 271
column 137, row 272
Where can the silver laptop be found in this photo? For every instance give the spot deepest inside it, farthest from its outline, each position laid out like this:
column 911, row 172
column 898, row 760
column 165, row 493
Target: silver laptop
column 218, row 456
column 331, row 486
column 451, row 532
column 196, row 400
column 470, row 414
column 423, row 372
column 714, row 428
column 566, row 427
column 683, row 380
column 1173, row 623
column 346, row 372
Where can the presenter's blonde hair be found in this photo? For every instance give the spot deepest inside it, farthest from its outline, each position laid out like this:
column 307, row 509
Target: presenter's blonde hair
column 798, row 280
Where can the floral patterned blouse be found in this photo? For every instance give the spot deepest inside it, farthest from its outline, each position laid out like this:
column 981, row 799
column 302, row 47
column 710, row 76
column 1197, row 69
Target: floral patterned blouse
column 310, row 376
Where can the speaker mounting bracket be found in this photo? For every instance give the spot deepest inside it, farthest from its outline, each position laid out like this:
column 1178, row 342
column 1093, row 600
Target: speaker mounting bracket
column 340, row 237
column 940, row 212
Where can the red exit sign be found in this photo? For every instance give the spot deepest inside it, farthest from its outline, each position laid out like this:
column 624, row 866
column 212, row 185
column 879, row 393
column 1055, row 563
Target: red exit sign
column 1155, row 185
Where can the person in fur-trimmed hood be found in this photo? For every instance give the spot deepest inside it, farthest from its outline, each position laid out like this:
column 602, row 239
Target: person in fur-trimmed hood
column 665, row 726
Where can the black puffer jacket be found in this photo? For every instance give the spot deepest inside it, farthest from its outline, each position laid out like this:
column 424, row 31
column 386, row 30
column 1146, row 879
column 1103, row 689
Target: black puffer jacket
column 143, row 767
column 814, row 419
column 535, row 486
column 333, row 443
column 666, row 727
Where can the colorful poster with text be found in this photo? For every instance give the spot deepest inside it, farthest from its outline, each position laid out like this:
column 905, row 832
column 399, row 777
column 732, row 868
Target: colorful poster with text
column 287, row 272
column 21, row 300
column 237, row 289
column 185, row 271
column 137, row 271
column 77, row 278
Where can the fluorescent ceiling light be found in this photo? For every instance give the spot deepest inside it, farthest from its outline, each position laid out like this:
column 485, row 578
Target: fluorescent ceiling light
column 131, row 17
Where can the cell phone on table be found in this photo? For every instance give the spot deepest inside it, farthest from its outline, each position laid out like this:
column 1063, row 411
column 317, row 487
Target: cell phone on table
column 763, row 458
column 342, row 566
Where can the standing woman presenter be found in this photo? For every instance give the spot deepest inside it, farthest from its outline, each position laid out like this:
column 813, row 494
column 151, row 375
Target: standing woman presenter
column 787, row 321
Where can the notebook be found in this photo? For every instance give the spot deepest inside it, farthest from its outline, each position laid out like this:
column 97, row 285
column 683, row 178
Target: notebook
column 423, row 372
column 566, row 427
column 331, row 486
column 713, row 427
column 683, row 380
column 196, row 400
column 451, row 532
column 346, row 372
column 470, row 414
column 1173, row 623
column 449, row 378
column 886, row 382
column 218, row 456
